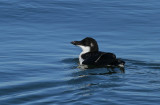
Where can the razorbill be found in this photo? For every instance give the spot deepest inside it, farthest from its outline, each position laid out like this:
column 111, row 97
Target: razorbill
column 91, row 55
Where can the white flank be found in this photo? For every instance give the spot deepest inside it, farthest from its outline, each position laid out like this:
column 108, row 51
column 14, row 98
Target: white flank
column 121, row 65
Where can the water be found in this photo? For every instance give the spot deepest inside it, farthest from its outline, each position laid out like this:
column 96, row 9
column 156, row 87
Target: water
column 38, row 65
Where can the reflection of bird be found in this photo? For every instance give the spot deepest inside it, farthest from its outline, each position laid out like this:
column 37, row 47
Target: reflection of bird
column 91, row 55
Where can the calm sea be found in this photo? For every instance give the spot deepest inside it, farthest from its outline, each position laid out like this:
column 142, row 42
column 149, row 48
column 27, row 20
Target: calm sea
column 38, row 65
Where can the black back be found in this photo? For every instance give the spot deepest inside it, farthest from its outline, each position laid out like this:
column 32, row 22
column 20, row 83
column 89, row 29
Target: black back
column 98, row 58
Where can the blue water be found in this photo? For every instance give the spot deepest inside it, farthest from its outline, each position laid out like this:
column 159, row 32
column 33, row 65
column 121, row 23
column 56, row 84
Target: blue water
column 38, row 65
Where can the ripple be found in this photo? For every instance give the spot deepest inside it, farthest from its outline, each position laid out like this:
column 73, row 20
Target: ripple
column 70, row 60
column 152, row 65
column 38, row 66
column 26, row 88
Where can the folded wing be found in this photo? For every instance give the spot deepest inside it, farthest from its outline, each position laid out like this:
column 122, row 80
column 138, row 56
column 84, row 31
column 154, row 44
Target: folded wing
column 99, row 58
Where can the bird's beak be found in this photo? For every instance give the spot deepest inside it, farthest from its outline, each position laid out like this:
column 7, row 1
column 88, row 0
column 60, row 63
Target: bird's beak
column 75, row 42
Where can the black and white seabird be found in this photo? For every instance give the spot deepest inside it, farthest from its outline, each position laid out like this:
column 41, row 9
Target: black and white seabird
column 91, row 55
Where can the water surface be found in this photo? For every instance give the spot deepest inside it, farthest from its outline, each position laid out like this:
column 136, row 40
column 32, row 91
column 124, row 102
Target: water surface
column 38, row 65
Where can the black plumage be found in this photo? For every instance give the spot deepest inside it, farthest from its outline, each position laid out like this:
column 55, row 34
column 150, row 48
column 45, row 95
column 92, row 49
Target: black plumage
column 98, row 58
column 92, row 56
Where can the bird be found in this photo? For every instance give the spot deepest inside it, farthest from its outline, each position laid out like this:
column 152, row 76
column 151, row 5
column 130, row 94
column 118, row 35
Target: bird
column 91, row 55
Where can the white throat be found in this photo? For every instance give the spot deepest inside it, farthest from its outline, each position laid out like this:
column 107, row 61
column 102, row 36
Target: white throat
column 85, row 49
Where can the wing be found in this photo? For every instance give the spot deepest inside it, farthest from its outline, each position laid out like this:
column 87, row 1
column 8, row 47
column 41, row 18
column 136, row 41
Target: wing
column 90, row 58
column 99, row 58
column 106, row 59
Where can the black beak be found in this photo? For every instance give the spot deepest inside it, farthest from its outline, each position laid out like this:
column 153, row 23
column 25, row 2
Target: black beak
column 75, row 42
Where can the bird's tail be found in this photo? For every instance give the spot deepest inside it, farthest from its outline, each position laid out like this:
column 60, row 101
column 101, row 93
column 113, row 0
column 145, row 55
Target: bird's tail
column 119, row 63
